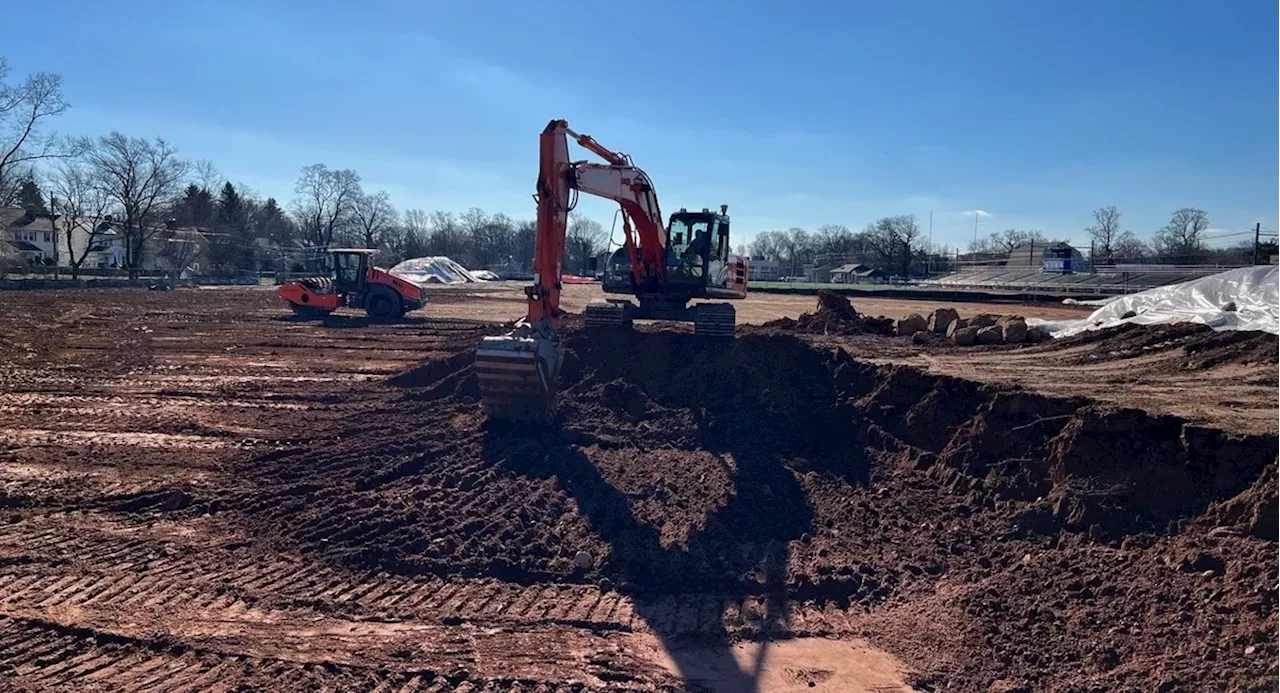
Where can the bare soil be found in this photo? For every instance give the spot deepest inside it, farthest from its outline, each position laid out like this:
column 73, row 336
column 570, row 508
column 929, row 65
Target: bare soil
column 198, row 491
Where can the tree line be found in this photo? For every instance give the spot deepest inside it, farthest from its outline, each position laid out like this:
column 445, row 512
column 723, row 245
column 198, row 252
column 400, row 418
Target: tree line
column 142, row 189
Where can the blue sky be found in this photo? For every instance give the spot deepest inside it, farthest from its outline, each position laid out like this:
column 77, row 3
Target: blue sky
column 795, row 113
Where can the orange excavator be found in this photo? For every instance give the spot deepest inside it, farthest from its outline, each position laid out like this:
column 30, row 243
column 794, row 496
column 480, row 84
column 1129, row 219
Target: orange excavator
column 663, row 266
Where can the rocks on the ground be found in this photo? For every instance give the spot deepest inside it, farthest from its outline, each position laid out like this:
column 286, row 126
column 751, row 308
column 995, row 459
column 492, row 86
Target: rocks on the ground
column 583, row 560
column 924, row 337
column 1039, row 333
column 941, row 319
column 911, row 324
column 966, row 336
column 1201, row 563
column 983, row 320
column 1014, row 331
column 990, row 335
column 1007, row 686
column 957, row 324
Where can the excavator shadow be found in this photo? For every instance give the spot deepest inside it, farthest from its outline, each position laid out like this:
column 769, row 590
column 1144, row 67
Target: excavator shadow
column 767, row 509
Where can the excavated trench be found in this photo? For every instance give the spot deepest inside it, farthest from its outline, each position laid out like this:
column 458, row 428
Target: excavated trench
column 767, row 466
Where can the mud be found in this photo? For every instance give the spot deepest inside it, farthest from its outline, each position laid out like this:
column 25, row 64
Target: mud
column 775, row 470
column 201, row 493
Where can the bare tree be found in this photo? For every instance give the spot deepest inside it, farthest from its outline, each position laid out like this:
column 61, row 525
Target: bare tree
column 143, row 179
column 324, row 202
column 893, row 240
column 24, row 110
column 472, row 223
column 1181, row 237
column 206, row 175
column 522, row 243
column 769, row 245
column 1105, row 231
column 446, row 236
column 372, row 215
column 414, row 227
column 1005, row 241
column 584, row 239
column 81, row 207
column 1129, row 247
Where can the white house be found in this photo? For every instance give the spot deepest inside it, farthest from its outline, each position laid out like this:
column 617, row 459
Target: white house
column 31, row 237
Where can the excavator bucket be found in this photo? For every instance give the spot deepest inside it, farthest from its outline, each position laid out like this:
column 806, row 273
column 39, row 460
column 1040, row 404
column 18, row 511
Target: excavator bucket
column 517, row 374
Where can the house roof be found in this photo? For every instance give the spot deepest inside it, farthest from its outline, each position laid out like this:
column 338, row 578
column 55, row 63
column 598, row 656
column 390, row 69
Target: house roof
column 17, row 218
column 24, row 246
column 851, row 267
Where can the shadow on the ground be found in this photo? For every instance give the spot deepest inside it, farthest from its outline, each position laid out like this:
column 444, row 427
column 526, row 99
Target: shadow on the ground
column 768, row 507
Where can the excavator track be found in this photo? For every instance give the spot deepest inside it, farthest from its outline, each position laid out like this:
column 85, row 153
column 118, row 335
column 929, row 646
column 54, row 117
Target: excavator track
column 714, row 320
column 608, row 314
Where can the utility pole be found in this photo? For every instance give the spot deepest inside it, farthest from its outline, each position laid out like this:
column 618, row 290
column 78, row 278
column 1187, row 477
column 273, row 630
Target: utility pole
column 929, row 264
column 975, row 228
column 1257, row 238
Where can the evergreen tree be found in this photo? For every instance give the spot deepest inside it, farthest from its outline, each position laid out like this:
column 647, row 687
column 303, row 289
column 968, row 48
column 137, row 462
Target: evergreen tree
column 31, row 199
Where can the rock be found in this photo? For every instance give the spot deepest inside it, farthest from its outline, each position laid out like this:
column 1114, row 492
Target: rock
column 1209, row 574
column 606, row 585
column 967, row 336
column 1229, row 307
column 911, row 324
column 1129, row 314
column 957, row 324
column 983, row 320
column 1202, row 563
column 1014, row 332
column 924, row 337
column 1037, row 334
column 583, row 560
column 990, row 335
column 1250, row 650
column 942, row 319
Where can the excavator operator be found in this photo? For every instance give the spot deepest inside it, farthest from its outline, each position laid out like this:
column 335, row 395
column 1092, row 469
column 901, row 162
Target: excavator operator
column 696, row 252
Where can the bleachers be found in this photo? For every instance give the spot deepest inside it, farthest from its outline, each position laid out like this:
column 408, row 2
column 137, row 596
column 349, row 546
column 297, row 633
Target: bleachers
column 1106, row 281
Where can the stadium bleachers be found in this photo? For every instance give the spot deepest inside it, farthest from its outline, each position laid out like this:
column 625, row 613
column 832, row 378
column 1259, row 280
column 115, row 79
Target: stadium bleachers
column 1105, row 281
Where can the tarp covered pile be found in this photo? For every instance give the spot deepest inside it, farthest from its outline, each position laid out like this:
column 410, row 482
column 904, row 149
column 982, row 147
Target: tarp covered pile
column 434, row 270
column 1247, row 298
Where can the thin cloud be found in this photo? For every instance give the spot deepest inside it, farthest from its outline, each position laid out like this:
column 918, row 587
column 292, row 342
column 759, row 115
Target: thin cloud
column 980, row 213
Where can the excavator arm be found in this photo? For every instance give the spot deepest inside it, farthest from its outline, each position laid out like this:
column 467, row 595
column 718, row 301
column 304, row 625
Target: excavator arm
column 517, row 372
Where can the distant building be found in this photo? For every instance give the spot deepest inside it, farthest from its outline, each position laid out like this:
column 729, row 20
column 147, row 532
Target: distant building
column 761, row 270
column 30, row 237
column 1047, row 256
column 858, row 274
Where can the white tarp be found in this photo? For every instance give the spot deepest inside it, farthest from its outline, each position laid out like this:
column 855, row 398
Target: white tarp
column 483, row 275
column 433, row 270
column 1255, row 291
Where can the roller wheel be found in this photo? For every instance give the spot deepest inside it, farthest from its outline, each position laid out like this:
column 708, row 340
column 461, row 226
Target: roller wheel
column 608, row 314
column 308, row 311
column 383, row 304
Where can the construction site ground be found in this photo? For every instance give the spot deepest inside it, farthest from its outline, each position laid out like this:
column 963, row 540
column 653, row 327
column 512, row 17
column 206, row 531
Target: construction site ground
column 199, row 491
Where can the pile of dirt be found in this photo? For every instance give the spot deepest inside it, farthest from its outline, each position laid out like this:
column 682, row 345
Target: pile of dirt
column 1204, row 348
column 1063, row 539
column 835, row 315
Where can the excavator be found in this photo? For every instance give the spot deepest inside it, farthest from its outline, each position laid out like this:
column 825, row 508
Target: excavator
column 663, row 266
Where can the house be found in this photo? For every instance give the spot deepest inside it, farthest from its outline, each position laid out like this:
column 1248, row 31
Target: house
column 31, row 237
column 858, row 273
column 820, row 274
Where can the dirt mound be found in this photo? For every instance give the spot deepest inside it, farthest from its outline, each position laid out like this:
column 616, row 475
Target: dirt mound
column 835, row 315
column 1052, row 532
column 1204, row 348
